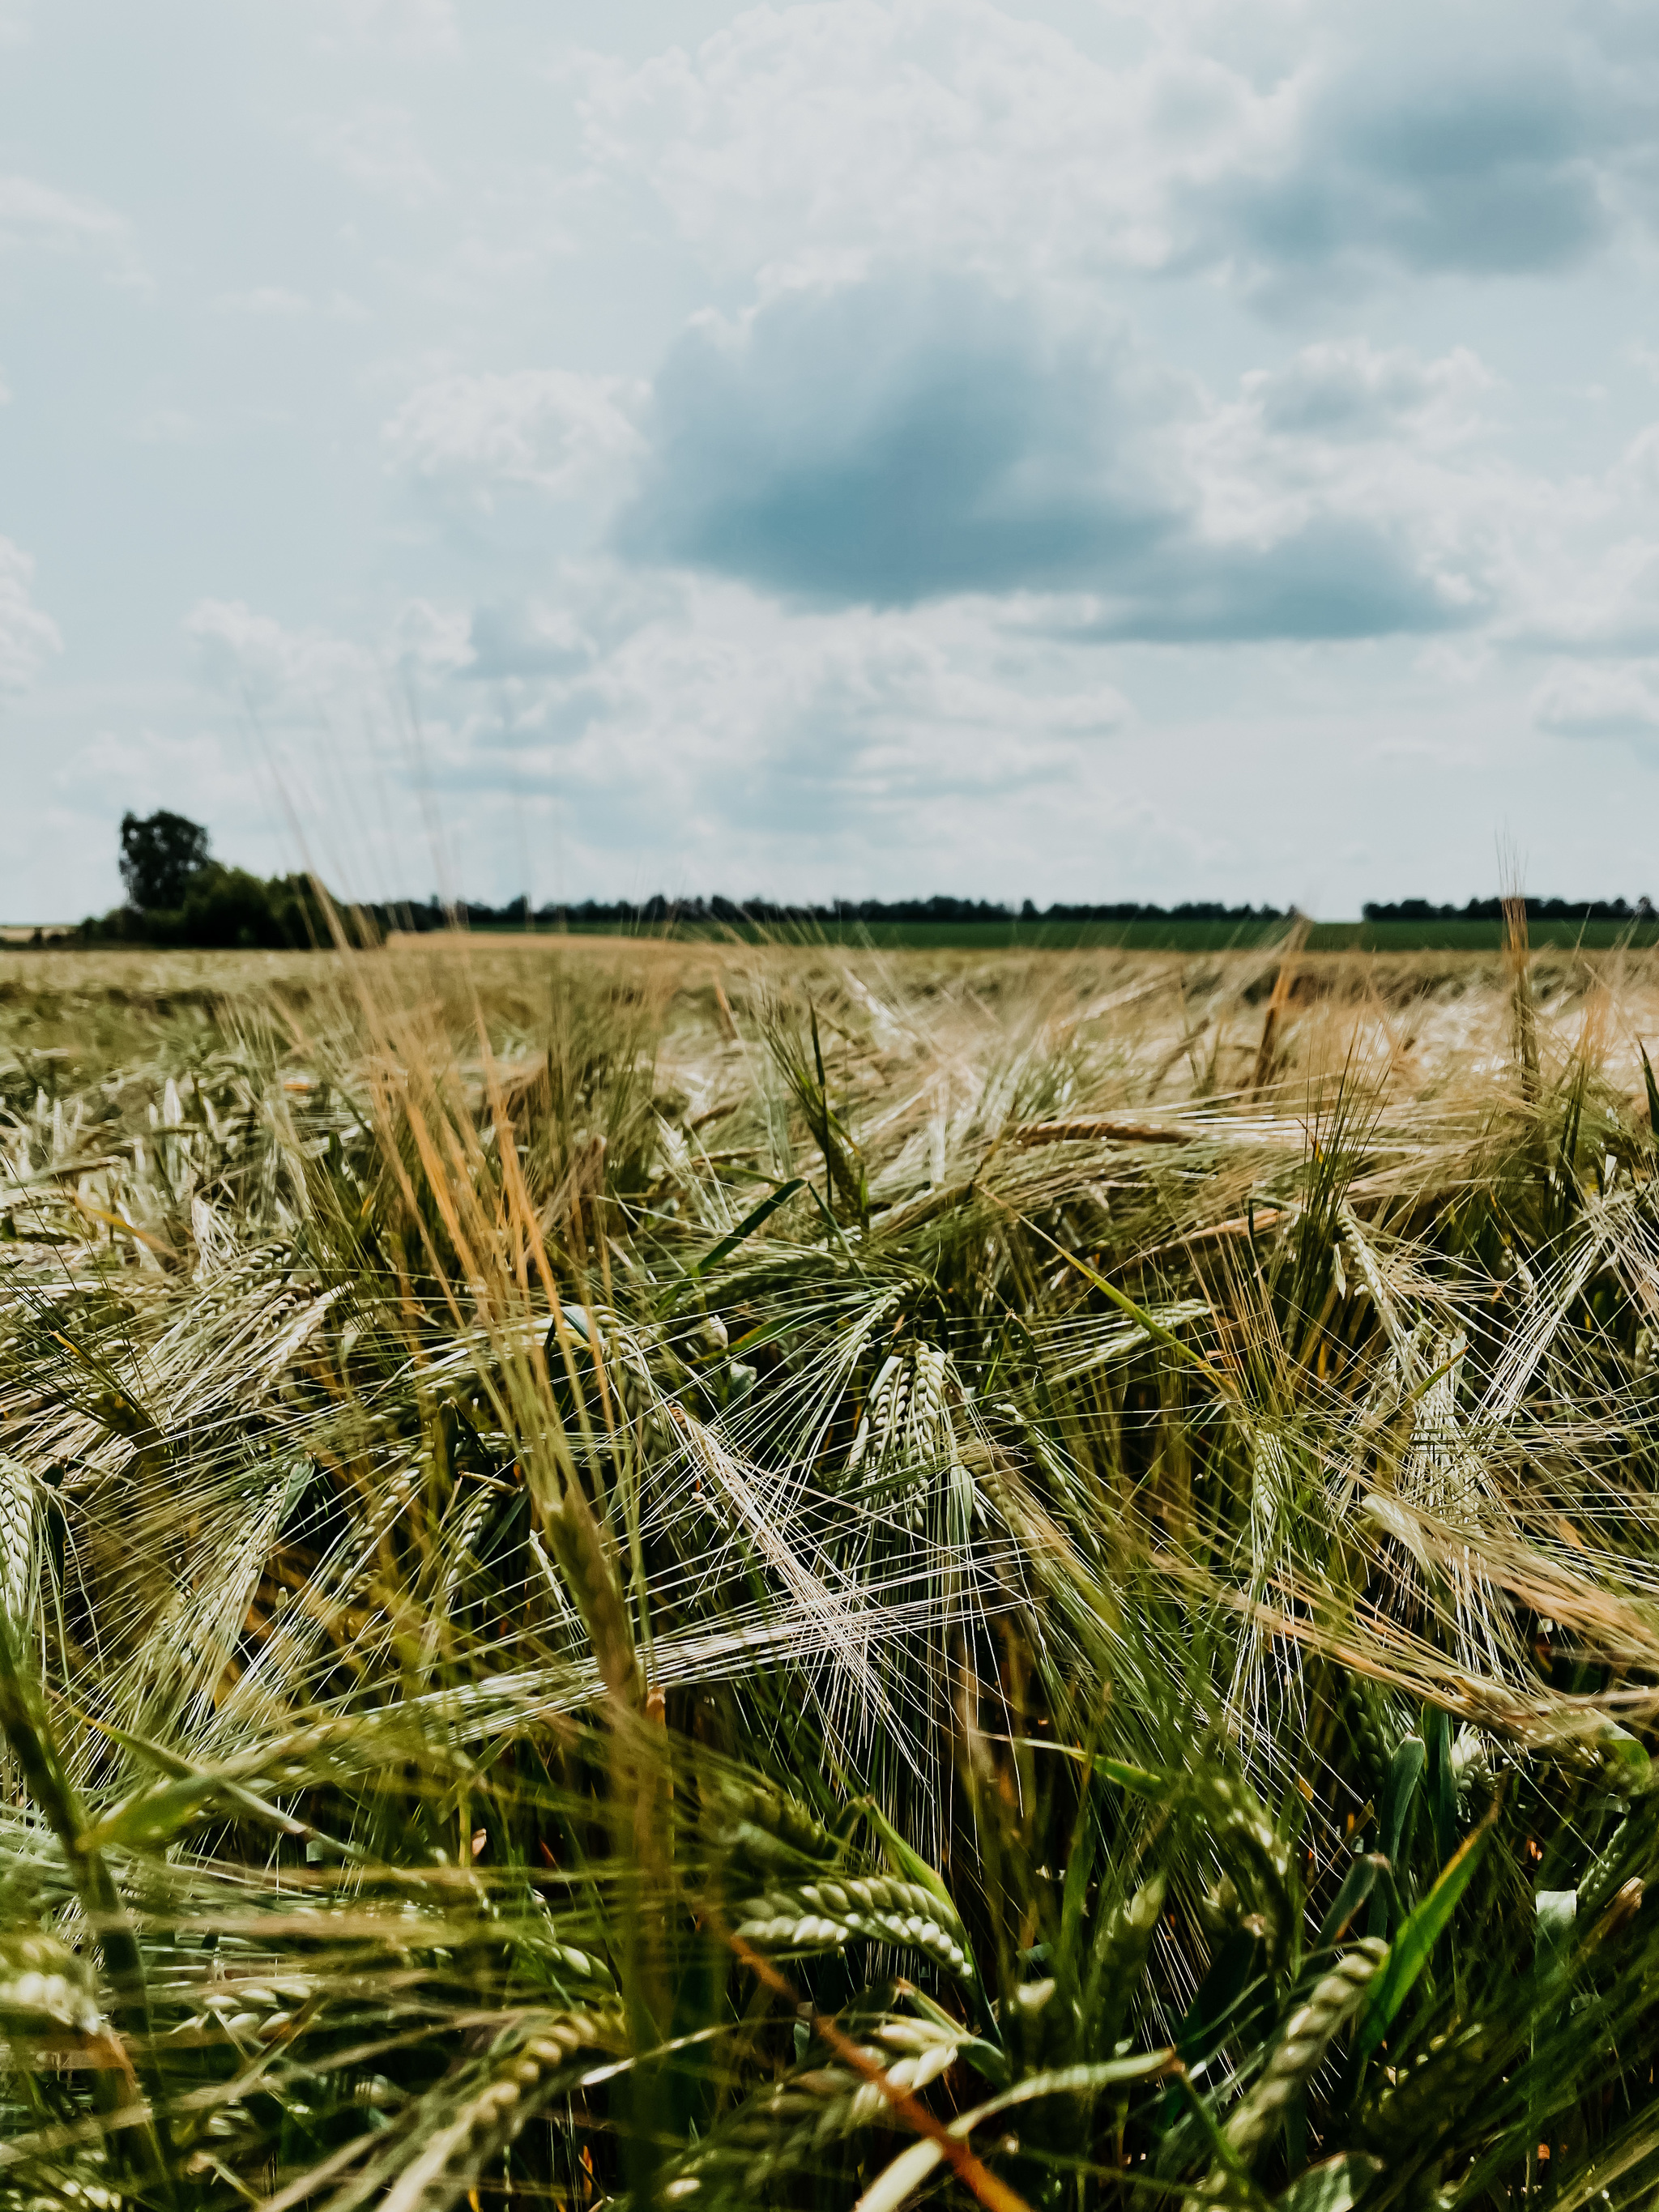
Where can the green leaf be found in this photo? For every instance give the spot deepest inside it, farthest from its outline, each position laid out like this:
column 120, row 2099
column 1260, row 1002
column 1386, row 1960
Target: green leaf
column 1405, row 1773
column 1358, row 1884
column 1409, row 1953
column 1335, row 2184
column 1213, row 2016
column 1652, row 1088
column 746, row 1227
column 1442, row 1786
column 899, row 2182
column 1142, row 1779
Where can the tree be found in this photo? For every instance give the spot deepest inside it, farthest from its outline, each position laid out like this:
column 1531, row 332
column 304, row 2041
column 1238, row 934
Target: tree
column 159, row 856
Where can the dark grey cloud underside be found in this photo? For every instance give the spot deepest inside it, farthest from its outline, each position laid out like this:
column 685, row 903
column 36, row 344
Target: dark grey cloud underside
column 1487, row 167
column 1336, row 578
column 906, row 439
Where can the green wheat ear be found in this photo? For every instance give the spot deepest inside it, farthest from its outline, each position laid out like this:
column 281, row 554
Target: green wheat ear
column 828, row 1914
column 1300, row 2048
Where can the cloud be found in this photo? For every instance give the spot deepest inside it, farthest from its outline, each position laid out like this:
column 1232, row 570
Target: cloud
column 1604, row 604
column 553, row 430
column 1466, row 165
column 599, row 607
column 813, row 138
column 1617, row 702
column 1281, row 148
column 913, row 437
column 1348, row 390
column 429, row 642
column 378, row 150
column 1334, row 578
column 39, row 218
column 690, row 720
column 254, row 658
column 891, row 441
column 27, row 636
column 715, row 725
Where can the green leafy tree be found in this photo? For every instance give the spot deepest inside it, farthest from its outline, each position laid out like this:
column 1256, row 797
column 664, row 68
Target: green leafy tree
column 161, row 853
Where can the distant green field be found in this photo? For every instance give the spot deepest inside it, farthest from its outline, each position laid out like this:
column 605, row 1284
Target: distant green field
column 1471, row 936
column 1192, row 936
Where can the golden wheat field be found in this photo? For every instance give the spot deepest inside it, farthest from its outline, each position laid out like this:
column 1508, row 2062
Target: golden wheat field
column 1427, row 1014
column 640, row 1573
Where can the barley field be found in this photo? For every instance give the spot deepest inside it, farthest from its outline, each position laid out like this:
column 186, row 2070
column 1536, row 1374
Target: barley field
column 643, row 1574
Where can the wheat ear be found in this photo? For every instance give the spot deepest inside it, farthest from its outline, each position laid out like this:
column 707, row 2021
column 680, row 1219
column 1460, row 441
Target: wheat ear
column 1299, row 2050
column 822, row 1916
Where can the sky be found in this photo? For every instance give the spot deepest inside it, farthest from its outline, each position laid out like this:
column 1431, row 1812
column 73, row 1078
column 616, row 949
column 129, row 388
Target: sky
column 1092, row 450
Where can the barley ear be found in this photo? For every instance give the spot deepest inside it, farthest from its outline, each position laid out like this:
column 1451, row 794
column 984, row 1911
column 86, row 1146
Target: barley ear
column 17, row 1514
column 1307, row 2035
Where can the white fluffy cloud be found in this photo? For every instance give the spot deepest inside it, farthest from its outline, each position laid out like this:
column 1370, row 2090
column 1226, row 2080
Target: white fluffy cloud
column 550, row 429
column 1348, row 391
column 255, row 658
column 28, row 637
column 258, row 661
column 811, row 137
column 698, row 720
column 1619, row 701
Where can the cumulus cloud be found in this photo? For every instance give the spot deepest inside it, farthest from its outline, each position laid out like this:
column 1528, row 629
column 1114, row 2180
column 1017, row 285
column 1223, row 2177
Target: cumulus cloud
column 713, row 721
column 1466, row 164
column 817, row 136
column 1348, row 390
column 554, row 430
column 1621, row 700
column 254, row 657
column 910, row 436
column 692, row 719
column 1606, row 605
column 28, row 637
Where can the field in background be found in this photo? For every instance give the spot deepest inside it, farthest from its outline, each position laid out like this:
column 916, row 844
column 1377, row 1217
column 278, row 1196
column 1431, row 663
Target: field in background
column 1175, row 936
column 1142, row 936
column 104, row 1007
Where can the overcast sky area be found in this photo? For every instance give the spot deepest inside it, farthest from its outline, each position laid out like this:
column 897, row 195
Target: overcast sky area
column 1086, row 451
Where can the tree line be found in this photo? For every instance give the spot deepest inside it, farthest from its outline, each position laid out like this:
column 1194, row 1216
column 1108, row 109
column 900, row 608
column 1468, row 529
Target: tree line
column 1492, row 909
column 178, row 894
